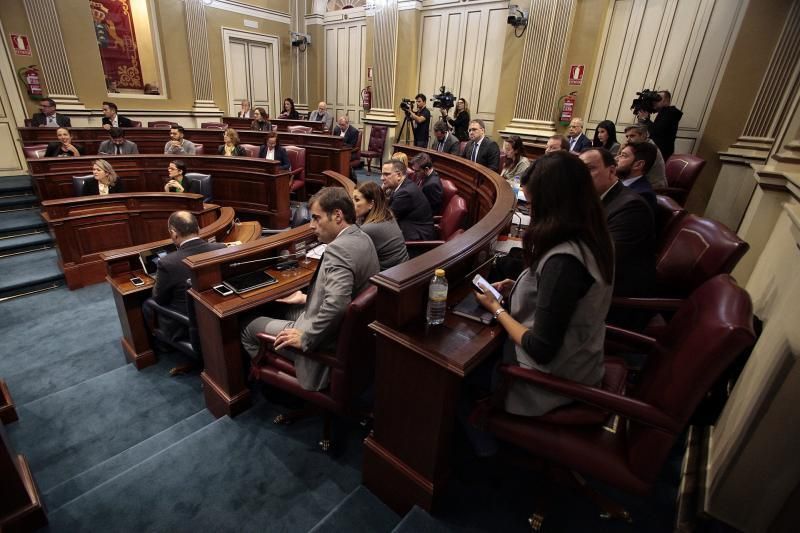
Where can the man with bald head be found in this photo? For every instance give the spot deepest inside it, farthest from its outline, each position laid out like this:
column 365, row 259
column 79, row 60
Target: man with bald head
column 348, row 133
column 172, row 274
column 321, row 115
column 578, row 141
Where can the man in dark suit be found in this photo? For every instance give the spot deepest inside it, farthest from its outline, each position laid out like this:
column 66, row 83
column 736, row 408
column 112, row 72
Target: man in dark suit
column 444, row 141
column 634, row 161
column 48, row 116
column 117, row 144
column 578, row 141
column 272, row 150
column 428, row 181
column 348, row 133
column 172, row 275
column 112, row 119
column 632, row 228
column 480, row 148
column 409, row 205
column 312, row 319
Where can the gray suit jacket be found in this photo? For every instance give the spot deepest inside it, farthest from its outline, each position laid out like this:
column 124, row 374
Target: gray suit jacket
column 451, row 144
column 108, row 148
column 349, row 261
column 327, row 119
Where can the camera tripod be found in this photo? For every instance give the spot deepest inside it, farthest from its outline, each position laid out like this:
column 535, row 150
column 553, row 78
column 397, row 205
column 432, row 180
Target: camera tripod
column 406, row 122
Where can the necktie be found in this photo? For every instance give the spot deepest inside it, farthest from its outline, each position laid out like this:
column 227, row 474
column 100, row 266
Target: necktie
column 118, row 150
column 441, row 146
column 475, row 152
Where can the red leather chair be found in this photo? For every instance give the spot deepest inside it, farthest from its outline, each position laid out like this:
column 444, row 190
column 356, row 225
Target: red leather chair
column 250, row 149
column 355, row 157
column 449, row 190
column 377, row 141
column 682, row 171
column 351, row 366
column 461, row 147
column 297, row 158
column 667, row 214
column 34, row 151
column 450, row 225
column 213, row 125
column 299, row 129
column 160, row 124
column 704, row 337
column 198, row 149
column 136, row 124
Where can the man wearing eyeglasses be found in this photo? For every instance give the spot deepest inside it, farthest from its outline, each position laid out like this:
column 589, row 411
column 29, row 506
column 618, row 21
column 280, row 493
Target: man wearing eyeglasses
column 480, row 148
column 408, row 204
column 48, row 117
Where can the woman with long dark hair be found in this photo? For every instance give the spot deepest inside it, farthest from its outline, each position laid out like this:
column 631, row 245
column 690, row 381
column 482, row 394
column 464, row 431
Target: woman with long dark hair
column 515, row 163
column 260, row 120
column 377, row 220
column 605, row 136
column 288, row 110
column 460, row 120
column 555, row 310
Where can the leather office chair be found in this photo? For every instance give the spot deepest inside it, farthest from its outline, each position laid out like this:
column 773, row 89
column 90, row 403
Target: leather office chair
column 703, row 339
column 250, row 149
column 199, row 149
column 78, row 182
column 136, row 124
column 34, row 151
column 377, row 141
column 355, row 157
column 461, row 147
column 682, row 171
column 299, row 129
column 160, row 124
column 213, row 125
column 667, row 214
column 297, row 158
column 352, row 367
column 449, row 190
column 205, row 184
column 28, row 122
column 450, row 225
column 189, row 346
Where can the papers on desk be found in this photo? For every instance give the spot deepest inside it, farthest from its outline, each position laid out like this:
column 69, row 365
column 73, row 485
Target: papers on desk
column 316, row 252
column 520, row 219
column 504, row 245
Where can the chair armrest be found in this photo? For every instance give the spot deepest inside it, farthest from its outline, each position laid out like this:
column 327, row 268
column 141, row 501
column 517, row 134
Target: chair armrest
column 649, row 304
column 326, row 358
column 666, row 191
column 296, row 172
column 622, row 405
column 169, row 313
column 630, row 339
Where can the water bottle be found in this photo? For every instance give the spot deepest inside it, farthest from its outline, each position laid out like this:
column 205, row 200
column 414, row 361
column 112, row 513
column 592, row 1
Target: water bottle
column 515, row 187
column 437, row 298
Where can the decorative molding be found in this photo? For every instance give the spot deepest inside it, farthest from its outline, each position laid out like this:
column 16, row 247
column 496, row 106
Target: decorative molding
column 251, row 11
column 51, row 49
column 345, row 15
column 197, row 36
column 385, row 56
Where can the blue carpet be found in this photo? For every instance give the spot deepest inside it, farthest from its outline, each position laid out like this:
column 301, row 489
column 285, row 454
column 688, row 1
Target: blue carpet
column 17, row 221
column 360, row 511
column 70, row 346
column 26, row 269
column 25, row 242
column 419, row 521
column 242, row 474
column 10, row 184
column 99, row 418
column 17, row 201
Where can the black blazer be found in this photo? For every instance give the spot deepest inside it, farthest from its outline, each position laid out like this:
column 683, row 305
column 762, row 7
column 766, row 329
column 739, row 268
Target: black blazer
column 664, row 129
column 39, row 119
column 350, row 135
column 581, row 144
column 431, row 187
column 261, row 126
column 237, row 150
column 460, row 125
column 643, row 187
column 488, row 153
column 124, row 122
column 412, row 211
column 190, row 185
column 280, row 155
column 171, row 282
column 54, row 150
column 91, row 187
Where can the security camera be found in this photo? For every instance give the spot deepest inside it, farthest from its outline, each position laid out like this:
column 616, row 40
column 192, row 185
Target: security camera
column 516, row 16
column 300, row 39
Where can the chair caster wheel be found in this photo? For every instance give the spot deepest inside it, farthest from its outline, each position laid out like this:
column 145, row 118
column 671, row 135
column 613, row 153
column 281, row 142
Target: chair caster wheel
column 325, row 445
column 536, row 520
column 282, row 419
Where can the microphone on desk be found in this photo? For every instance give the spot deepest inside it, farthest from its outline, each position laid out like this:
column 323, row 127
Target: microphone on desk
column 283, row 256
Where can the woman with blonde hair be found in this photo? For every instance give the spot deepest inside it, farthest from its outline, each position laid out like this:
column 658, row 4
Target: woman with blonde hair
column 105, row 180
column 376, row 220
column 231, row 146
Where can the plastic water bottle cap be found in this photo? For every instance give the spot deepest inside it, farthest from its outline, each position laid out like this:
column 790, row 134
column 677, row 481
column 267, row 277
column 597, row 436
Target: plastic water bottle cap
column 440, row 272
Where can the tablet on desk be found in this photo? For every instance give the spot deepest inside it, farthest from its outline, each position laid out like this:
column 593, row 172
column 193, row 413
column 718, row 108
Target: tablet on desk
column 149, row 259
column 249, row 281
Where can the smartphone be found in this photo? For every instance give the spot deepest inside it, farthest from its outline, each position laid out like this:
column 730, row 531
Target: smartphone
column 137, row 281
column 223, row 290
column 481, row 285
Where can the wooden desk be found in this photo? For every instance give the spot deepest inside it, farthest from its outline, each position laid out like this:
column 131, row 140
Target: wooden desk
column 282, row 123
column 419, row 371
column 123, row 264
column 323, row 152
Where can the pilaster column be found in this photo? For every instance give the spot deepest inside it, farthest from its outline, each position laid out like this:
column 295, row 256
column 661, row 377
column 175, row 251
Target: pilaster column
column 46, row 33
column 781, row 81
column 197, row 36
column 542, row 61
column 300, row 59
column 384, row 43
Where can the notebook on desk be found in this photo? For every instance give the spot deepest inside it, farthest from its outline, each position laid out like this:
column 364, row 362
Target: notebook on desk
column 470, row 308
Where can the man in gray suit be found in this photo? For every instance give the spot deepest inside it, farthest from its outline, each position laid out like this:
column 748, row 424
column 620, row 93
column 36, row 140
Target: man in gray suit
column 321, row 115
column 117, row 144
column 444, row 140
column 311, row 320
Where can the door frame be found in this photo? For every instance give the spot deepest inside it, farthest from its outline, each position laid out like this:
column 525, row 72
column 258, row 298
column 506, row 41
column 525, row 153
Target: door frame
column 272, row 40
column 16, row 112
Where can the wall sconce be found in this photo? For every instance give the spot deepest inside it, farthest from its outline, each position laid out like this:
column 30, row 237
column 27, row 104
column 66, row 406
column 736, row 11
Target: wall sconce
column 517, row 18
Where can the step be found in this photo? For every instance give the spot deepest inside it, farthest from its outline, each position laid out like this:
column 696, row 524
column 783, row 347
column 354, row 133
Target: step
column 17, row 201
column 242, row 474
column 418, row 520
column 22, row 221
column 102, row 472
column 64, row 354
column 99, row 418
column 361, row 510
column 15, row 184
column 36, row 240
column 27, row 272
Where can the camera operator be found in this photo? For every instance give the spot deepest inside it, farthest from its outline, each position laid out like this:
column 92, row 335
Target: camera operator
column 460, row 120
column 664, row 129
column 422, row 121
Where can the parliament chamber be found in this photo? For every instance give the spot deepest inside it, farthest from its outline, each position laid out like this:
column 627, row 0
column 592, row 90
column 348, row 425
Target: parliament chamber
column 261, row 104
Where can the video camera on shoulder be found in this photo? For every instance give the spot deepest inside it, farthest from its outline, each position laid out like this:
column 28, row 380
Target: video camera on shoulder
column 646, row 100
column 444, row 100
